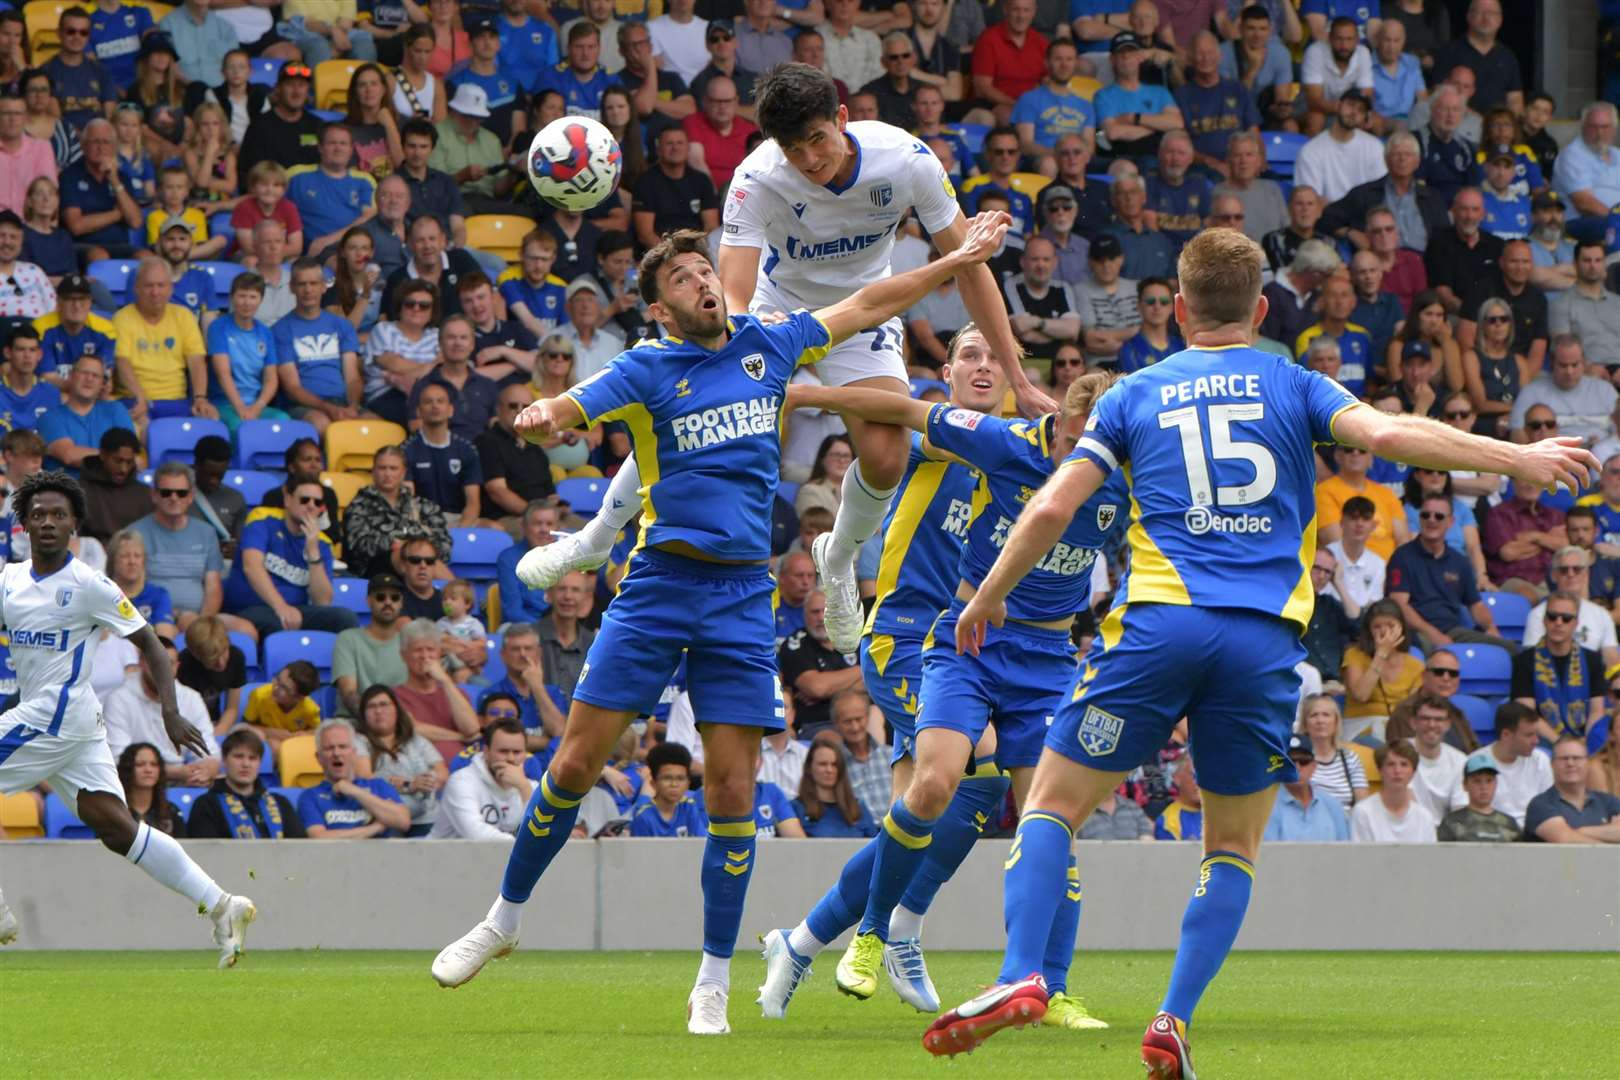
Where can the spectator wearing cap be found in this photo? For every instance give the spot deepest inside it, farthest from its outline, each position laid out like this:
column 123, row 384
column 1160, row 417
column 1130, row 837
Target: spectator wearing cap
column 1587, row 173
column 1464, row 254
column 330, row 196
column 1107, row 303
column 579, row 77
column 1291, row 295
column 193, row 286
column 1397, row 78
column 1552, row 252
column 1476, row 820
column 1570, row 812
column 1133, row 116
column 1416, row 386
column 502, row 87
column 1148, row 252
column 1046, row 113
column 96, row 206
column 720, row 36
column 1393, row 815
column 1343, row 155
column 1300, row 815
column 1001, row 161
column 1044, row 313
column 1377, row 312
column 287, row 133
column 1215, row 108
column 1507, row 204
column 27, row 291
column 202, row 39
column 1419, row 212
column 1448, row 155
column 1333, row 66
column 365, row 656
column 595, row 339
column 160, row 349
column 719, row 137
column 1495, row 68
column 1588, row 309
column 73, row 429
column 1056, row 210
column 670, row 195
column 467, row 151
column 282, row 577
column 1178, row 199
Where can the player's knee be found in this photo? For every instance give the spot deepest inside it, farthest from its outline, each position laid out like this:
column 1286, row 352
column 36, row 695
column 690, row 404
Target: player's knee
column 115, row 831
column 930, row 792
column 728, row 796
column 573, row 769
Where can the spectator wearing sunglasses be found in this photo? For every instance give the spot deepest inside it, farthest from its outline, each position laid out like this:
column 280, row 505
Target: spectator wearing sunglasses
column 1558, row 678
column 1571, row 573
column 282, row 578
column 182, row 552
column 1435, row 586
column 1159, row 335
column 1442, row 675
column 367, row 656
column 420, row 565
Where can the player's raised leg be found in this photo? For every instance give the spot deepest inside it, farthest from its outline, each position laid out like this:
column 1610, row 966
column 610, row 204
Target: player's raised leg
column 588, row 547
column 588, row 741
column 869, row 485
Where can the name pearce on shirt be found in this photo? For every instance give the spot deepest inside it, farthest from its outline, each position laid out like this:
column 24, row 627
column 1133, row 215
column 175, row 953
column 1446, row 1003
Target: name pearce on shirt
column 709, row 427
column 1208, row 386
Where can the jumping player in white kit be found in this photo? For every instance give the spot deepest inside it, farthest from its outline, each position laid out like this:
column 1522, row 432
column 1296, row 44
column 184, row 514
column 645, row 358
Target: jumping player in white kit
column 810, row 217
column 55, row 607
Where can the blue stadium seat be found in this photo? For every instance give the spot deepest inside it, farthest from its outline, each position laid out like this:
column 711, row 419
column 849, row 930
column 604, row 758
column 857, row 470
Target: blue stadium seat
column 973, row 135
column 264, row 71
column 61, row 823
column 583, row 494
column 787, row 491
column 262, row 444
column 1510, row 610
column 1481, row 715
column 1282, row 150
column 494, row 670
column 253, row 484
column 473, row 552
column 1487, row 670
column 184, row 797
column 250, row 655
column 116, row 274
column 327, row 698
column 223, row 274
column 350, row 592
column 285, row 646
column 291, row 794
column 220, row 225
column 174, row 438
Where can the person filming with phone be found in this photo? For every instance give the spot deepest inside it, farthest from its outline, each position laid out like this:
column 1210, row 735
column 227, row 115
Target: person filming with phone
column 282, row 579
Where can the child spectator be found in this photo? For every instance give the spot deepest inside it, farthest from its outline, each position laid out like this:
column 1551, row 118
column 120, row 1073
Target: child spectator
column 812, row 523
column 240, row 351
column 670, row 810
column 462, row 627
column 216, row 669
column 267, row 199
column 283, row 706
column 172, row 201
column 135, row 166
column 534, row 295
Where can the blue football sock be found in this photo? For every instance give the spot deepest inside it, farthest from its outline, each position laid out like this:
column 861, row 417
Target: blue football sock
column 901, row 846
column 547, row 823
column 841, row 908
column 728, row 863
column 1034, row 886
column 976, row 803
column 1214, row 915
column 1065, row 928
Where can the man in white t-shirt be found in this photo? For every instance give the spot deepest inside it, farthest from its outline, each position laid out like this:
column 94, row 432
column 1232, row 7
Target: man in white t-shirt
column 485, row 800
column 1440, row 765
column 678, row 40
column 1342, row 156
column 134, row 714
column 1594, row 626
column 1332, row 67
column 1394, row 815
column 1522, row 771
column 1360, row 569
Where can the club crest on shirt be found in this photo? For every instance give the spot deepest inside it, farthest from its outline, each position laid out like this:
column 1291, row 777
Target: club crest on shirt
column 1105, row 516
column 753, row 366
column 882, row 195
column 1099, row 732
column 64, row 597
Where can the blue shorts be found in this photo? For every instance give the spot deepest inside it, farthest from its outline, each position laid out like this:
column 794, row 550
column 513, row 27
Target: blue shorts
column 893, row 681
column 1016, row 682
column 1230, row 671
column 719, row 615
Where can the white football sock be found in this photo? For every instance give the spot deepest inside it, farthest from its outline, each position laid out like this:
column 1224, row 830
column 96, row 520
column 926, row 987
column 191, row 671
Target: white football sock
column 860, row 513
column 507, row 916
column 714, row 971
column 904, row 924
column 621, row 503
column 803, row 942
column 167, row 863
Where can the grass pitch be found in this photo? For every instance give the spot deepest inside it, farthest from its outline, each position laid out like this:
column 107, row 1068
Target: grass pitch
column 622, row 1016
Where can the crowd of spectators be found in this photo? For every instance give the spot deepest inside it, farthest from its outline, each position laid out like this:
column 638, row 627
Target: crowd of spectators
column 1436, row 240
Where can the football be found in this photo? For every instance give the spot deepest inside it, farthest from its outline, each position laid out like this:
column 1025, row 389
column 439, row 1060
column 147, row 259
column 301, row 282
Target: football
column 574, row 163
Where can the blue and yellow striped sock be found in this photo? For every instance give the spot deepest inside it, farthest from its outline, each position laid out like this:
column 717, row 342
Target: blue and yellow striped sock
column 901, row 846
column 728, row 863
column 1033, row 888
column 547, row 823
column 841, row 908
column 1214, row 916
column 977, row 802
column 1065, row 928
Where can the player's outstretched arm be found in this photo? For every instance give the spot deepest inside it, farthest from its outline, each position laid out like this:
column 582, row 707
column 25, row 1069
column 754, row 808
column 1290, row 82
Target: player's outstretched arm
column 180, row 733
column 1039, row 527
column 882, row 300
column 863, row 403
column 1429, row 444
column 543, row 419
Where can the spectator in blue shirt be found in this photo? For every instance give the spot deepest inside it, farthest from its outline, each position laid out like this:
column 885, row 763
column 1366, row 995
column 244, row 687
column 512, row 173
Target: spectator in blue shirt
column 1261, row 62
column 73, row 330
column 282, row 577
column 24, row 397
column 491, row 71
column 193, row 286
column 344, row 806
column 578, row 78
column 79, row 82
column 96, row 206
column 116, row 30
column 670, row 809
column 525, row 683
column 1214, row 107
column 1397, row 78
column 1159, row 336
column 1052, row 110
column 1001, row 152
column 827, row 805
column 317, row 353
column 1319, row 15
column 73, row 429
column 330, row 196
column 528, row 45
column 1300, row 815
column 1179, row 197
column 1133, row 115
column 519, row 603
column 202, row 39
column 242, row 354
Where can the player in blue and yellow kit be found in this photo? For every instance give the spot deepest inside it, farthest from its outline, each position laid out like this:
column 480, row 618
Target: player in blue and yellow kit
column 1217, row 444
column 917, row 576
column 1016, row 682
column 704, row 407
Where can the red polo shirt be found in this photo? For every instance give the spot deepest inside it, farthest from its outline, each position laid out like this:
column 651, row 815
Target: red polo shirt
column 1014, row 70
column 722, row 153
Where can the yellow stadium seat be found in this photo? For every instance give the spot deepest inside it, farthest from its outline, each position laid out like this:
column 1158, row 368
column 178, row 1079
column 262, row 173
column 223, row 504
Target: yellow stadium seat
column 158, row 10
column 351, row 444
column 39, row 19
column 558, row 474
column 19, row 816
column 1029, row 183
column 585, row 472
column 332, row 79
column 298, row 765
column 346, row 484
column 500, row 235
column 492, row 608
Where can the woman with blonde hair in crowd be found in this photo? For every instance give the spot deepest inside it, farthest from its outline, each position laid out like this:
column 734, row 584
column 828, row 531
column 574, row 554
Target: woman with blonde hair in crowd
column 553, row 374
column 1341, row 773
column 210, row 157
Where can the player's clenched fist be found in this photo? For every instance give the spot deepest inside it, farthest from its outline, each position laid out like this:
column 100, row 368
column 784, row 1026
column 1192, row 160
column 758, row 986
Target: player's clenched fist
column 535, row 423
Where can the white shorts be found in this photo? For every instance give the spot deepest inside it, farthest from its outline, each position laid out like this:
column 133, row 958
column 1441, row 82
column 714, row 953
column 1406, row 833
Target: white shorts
column 870, row 354
column 28, row 756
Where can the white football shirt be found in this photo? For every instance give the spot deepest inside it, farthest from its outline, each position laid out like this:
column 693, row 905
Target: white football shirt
column 818, row 245
column 55, row 625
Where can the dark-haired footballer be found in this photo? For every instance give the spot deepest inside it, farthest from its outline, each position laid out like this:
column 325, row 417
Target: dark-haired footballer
column 54, row 608
column 703, row 407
